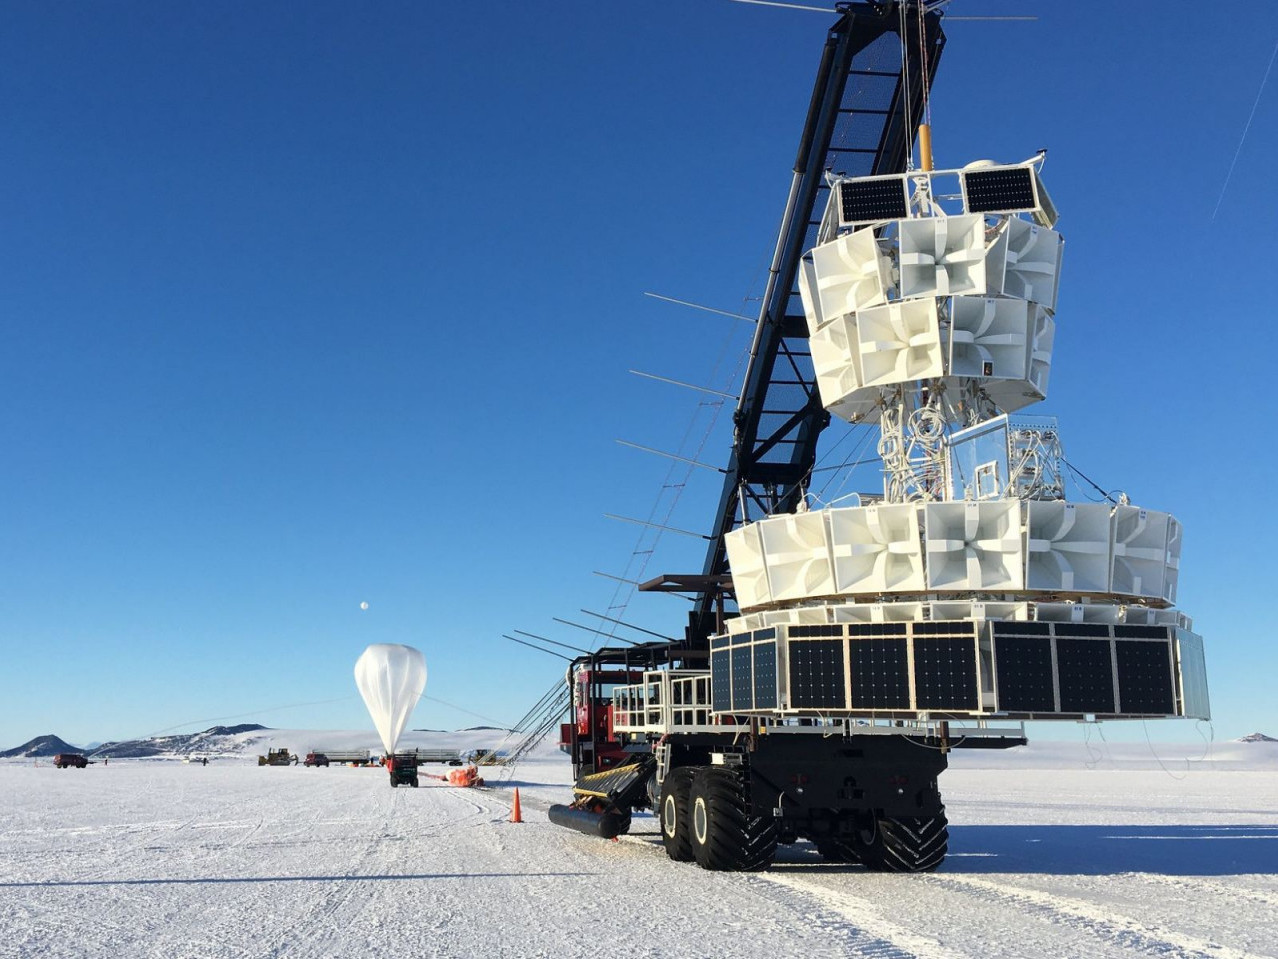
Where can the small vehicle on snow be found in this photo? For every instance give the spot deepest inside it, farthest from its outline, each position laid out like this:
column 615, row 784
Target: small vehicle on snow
column 403, row 769
column 67, row 760
column 315, row 759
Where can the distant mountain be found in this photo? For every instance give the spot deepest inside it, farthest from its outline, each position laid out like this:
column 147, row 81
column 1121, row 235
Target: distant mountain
column 212, row 739
column 40, row 746
column 1258, row 738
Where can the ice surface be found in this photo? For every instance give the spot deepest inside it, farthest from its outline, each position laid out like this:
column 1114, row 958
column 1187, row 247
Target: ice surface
column 1055, row 851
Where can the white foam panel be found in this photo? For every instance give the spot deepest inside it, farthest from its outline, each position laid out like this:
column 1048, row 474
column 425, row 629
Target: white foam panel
column 852, row 613
column 1140, row 551
column 749, row 572
column 851, row 274
column 896, row 612
column 876, row 548
column 1171, row 576
column 940, row 612
column 1058, row 612
column 1067, row 547
column 808, row 294
column 836, row 360
column 1101, row 613
column 900, row 342
column 943, row 256
column 797, row 554
column 990, row 338
column 974, row 545
column 1031, row 257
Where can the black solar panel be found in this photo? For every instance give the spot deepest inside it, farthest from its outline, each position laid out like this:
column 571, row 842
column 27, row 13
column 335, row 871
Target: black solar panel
column 816, row 674
column 1086, row 675
column 721, row 680
column 1024, row 665
column 862, row 201
column 1145, row 683
column 945, row 673
column 880, row 674
column 1001, row 190
column 765, row 676
column 742, row 678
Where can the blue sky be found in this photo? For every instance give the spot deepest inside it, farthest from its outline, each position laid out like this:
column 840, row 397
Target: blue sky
column 304, row 306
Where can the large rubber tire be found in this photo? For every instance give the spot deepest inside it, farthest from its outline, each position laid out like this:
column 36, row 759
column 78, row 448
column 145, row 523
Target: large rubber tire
column 838, row 850
column 674, row 813
column 907, row 845
column 725, row 836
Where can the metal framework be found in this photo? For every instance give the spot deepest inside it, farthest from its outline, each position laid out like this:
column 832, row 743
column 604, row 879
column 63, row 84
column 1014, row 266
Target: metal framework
column 856, row 125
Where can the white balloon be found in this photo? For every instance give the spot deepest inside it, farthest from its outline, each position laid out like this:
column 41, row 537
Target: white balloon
column 391, row 678
column 363, row 605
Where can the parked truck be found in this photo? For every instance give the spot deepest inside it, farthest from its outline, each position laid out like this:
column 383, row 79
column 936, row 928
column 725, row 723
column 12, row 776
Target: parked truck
column 835, row 655
column 70, row 760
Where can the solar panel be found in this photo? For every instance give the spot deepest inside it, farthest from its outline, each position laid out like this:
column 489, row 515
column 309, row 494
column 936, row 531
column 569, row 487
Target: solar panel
column 865, row 201
column 1086, row 675
column 816, row 674
column 1145, row 683
column 1024, row 666
column 880, row 674
column 742, row 678
column 1000, row 190
column 721, row 680
column 765, row 676
column 945, row 673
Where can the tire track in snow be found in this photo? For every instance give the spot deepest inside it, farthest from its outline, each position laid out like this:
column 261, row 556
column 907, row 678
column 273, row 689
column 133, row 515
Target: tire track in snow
column 1077, row 914
column 864, row 930
column 873, row 935
column 1196, row 886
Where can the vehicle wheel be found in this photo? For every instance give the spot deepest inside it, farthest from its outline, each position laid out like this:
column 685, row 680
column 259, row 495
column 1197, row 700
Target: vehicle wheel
column 623, row 823
column 725, row 836
column 414, row 782
column 838, row 850
column 673, row 813
column 393, row 784
column 908, row 844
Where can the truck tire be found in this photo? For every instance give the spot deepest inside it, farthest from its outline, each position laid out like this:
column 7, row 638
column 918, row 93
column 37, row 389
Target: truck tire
column 725, row 836
column 838, row 850
column 916, row 844
column 414, row 782
column 673, row 813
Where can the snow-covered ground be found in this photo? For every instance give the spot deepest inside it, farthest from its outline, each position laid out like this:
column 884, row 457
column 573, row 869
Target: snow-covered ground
column 1055, row 851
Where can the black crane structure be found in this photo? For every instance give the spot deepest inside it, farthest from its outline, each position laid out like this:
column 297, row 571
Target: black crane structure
column 864, row 115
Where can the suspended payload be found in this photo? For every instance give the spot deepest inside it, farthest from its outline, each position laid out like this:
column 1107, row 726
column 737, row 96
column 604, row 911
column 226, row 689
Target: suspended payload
column 391, row 678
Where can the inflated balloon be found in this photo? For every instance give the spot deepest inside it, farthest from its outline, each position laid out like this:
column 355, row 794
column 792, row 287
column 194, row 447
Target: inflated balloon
column 391, row 678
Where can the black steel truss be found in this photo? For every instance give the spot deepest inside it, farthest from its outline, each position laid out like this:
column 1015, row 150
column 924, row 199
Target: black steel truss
column 856, row 125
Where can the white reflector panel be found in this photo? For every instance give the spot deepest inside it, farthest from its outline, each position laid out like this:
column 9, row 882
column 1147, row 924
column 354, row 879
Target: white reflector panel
column 1140, row 551
column 797, row 555
column 942, row 256
column 851, row 274
column 974, row 545
column 807, row 293
column 900, row 342
column 876, row 548
column 749, row 572
column 1068, row 547
column 990, row 338
column 1032, row 263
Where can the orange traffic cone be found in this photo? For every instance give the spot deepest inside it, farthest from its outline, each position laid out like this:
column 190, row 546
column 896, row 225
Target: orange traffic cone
column 515, row 815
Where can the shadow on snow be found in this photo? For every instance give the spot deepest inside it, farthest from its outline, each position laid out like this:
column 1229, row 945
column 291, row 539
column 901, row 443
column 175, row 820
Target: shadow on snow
column 1168, row 850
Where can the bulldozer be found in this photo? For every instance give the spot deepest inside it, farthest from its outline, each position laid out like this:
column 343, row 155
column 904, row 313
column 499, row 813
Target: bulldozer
column 277, row 757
